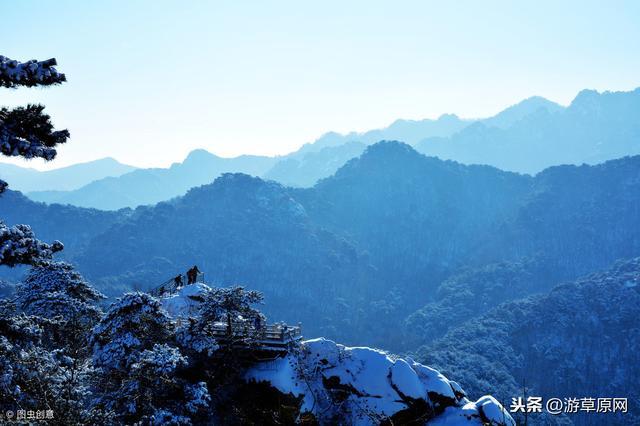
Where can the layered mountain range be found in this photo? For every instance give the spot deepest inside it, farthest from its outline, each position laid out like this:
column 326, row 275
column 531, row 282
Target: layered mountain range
column 389, row 233
column 526, row 138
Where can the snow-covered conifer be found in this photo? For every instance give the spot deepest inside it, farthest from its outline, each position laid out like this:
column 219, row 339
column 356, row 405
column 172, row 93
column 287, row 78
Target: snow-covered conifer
column 197, row 397
column 218, row 361
column 139, row 365
column 18, row 245
column 33, row 376
column 125, row 342
column 30, row 73
column 150, row 385
column 59, row 293
column 132, row 324
column 49, row 365
column 27, row 132
column 232, row 302
column 193, row 337
column 26, row 368
column 18, row 340
column 57, row 278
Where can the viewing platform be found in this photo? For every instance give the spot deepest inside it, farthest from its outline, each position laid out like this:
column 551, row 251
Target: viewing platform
column 271, row 337
column 251, row 335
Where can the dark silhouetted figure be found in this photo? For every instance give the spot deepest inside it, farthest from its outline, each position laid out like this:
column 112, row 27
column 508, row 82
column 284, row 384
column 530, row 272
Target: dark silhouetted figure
column 192, row 275
column 178, row 281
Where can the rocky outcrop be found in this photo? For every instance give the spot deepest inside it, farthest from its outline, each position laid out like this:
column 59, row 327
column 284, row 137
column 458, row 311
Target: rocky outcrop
column 361, row 386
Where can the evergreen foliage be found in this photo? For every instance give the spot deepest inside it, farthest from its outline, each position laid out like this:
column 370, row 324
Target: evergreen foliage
column 19, row 246
column 29, row 74
column 27, row 132
column 43, row 344
column 56, row 291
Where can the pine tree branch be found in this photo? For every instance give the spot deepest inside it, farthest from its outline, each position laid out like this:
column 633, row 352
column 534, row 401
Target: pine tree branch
column 31, row 73
column 19, row 246
column 28, row 132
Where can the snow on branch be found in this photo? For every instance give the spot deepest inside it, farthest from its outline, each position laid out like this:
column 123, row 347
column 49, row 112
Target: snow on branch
column 19, row 246
column 27, row 132
column 29, row 74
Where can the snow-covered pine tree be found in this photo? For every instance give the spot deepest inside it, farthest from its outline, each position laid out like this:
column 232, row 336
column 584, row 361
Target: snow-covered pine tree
column 27, row 132
column 157, row 394
column 230, row 303
column 220, row 304
column 138, row 365
column 219, row 363
column 133, row 323
column 48, row 366
column 43, row 331
column 29, row 373
column 57, row 292
column 19, row 246
column 29, row 74
column 19, row 349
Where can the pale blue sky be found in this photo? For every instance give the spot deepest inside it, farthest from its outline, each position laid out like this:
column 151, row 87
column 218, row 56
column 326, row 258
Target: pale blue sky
column 151, row 80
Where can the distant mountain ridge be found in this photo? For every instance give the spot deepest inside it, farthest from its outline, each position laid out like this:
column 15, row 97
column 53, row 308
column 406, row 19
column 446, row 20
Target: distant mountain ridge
column 304, row 171
column 595, row 127
column 517, row 112
column 150, row 186
column 409, row 131
column 526, row 138
column 62, row 179
column 414, row 131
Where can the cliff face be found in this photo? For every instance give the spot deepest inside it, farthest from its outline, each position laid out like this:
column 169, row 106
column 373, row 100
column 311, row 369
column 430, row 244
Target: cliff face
column 334, row 384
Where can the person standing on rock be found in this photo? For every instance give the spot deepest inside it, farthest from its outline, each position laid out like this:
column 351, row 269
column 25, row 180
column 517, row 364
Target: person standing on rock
column 178, row 281
column 192, row 275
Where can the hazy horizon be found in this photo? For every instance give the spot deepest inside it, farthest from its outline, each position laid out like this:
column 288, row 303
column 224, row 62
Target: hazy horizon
column 39, row 164
column 146, row 85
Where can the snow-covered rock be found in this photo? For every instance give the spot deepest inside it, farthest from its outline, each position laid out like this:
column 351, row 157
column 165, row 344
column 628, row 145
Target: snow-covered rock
column 185, row 301
column 362, row 386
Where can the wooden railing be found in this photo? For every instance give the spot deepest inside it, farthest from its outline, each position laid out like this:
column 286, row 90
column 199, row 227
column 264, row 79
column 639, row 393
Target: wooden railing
column 171, row 286
column 269, row 336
